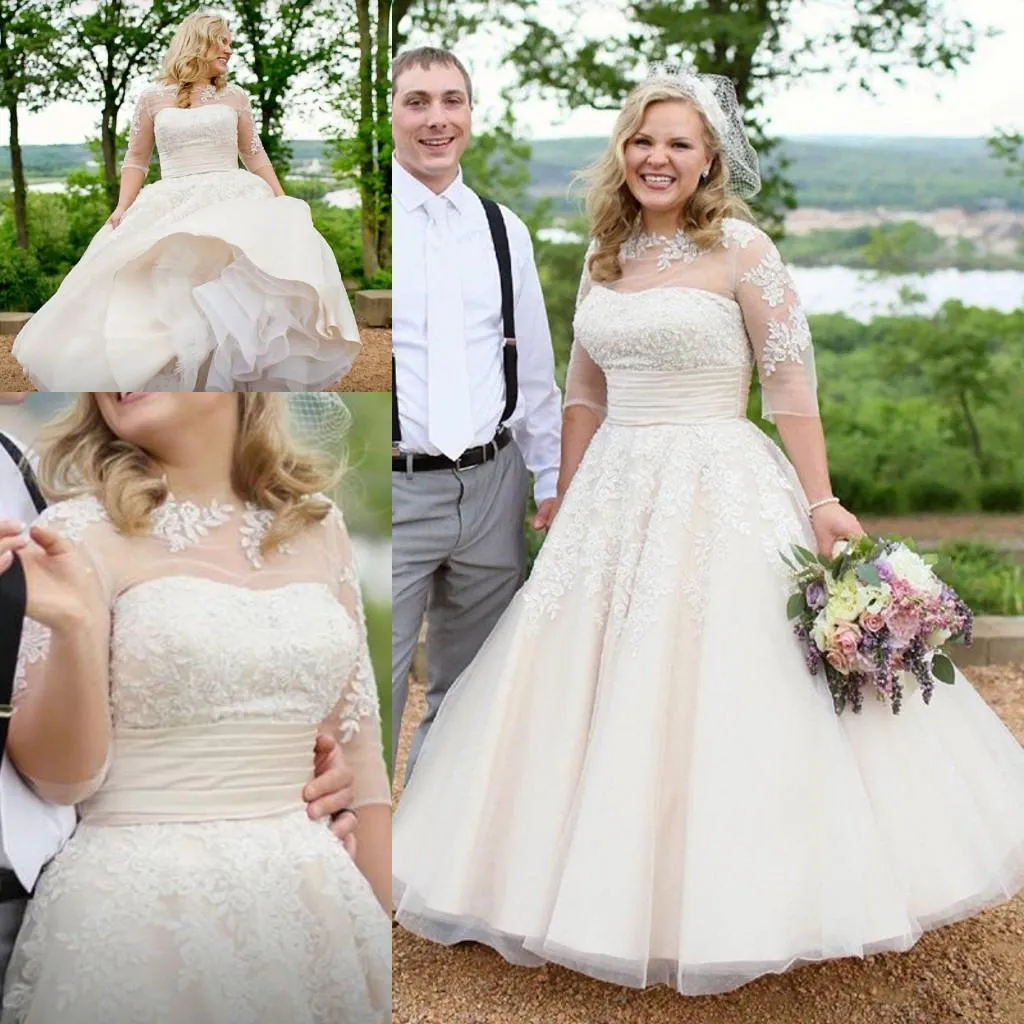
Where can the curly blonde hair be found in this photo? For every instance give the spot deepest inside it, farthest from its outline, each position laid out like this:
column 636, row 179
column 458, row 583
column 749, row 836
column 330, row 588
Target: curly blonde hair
column 188, row 56
column 613, row 210
column 82, row 455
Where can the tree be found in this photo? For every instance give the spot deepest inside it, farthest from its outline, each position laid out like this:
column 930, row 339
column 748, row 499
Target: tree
column 30, row 40
column 282, row 41
column 1009, row 147
column 753, row 42
column 115, row 42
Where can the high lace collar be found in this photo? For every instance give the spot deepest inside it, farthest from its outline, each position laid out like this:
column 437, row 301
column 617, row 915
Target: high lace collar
column 677, row 249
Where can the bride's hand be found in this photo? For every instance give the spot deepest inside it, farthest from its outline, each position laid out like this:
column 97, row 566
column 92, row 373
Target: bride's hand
column 115, row 218
column 62, row 587
column 833, row 523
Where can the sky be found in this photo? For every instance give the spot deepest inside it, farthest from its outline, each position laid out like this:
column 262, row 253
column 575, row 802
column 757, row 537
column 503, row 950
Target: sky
column 977, row 101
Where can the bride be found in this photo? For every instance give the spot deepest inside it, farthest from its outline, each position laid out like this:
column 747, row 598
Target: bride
column 637, row 777
column 209, row 279
column 195, row 622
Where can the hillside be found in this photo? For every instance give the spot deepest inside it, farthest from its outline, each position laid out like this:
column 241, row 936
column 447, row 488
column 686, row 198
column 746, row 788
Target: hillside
column 840, row 173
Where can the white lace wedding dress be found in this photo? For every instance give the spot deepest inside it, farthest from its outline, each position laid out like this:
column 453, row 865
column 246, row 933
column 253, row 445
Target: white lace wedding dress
column 209, row 283
column 196, row 888
column 637, row 777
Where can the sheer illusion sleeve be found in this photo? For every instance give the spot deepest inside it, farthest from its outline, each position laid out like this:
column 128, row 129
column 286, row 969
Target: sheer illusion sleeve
column 355, row 719
column 33, row 653
column 777, row 328
column 250, row 148
column 584, row 380
column 141, row 136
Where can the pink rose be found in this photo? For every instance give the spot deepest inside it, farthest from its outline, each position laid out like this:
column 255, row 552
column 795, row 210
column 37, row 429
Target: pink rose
column 839, row 661
column 846, row 638
column 873, row 622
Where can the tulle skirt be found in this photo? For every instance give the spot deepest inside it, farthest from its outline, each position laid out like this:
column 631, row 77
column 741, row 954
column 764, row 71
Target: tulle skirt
column 209, row 282
column 638, row 778
column 248, row 922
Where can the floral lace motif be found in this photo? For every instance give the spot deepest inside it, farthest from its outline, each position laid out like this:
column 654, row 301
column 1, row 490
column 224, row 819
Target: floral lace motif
column 772, row 277
column 786, row 341
column 253, row 922
column 182, row 524
column 676, row 249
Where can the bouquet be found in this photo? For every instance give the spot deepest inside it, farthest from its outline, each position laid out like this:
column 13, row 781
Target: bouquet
column 875, row 616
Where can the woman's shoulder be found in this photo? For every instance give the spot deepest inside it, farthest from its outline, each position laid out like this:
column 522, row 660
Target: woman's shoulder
column 739, row 234
column 74, row 516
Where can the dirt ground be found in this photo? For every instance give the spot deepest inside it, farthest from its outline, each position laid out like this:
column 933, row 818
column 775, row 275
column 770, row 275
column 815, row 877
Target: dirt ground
column 995, row 528
column 968, row 973
column 371, row 372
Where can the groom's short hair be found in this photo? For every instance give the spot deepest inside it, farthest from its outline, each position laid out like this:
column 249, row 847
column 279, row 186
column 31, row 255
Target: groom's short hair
column 426, row 57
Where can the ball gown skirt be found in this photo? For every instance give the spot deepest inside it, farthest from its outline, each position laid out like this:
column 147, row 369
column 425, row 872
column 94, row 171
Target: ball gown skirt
column 208, row 282
column 638, row 778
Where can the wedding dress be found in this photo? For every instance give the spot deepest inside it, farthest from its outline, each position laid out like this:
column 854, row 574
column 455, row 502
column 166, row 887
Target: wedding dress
column 196, row 888
column 209, row 282
column 637, row 777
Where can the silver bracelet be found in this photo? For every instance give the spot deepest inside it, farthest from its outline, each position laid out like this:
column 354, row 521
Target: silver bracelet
column 824, row 501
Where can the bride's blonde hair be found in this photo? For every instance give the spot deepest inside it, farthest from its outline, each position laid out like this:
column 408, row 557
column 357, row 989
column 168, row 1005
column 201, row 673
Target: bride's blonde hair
column 613, row 210
column 188, row 57
column 82, row 455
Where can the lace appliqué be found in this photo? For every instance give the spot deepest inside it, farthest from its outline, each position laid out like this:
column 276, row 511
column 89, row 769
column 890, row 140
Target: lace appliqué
column 739, row 232
column 182, row 524
column 74, row 516
column 786, row 341
column 256, row 523
column 676, row 249
column 35, row 645
column 360, row 698
column 771, row 276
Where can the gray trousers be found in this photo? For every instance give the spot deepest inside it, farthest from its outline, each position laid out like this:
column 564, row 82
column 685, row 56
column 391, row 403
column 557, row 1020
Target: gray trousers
column 11, row 914
column 458, row 555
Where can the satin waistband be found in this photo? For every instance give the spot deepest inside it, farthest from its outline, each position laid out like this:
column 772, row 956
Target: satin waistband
column 200, row 160
column 638, row 398
column 223, row 771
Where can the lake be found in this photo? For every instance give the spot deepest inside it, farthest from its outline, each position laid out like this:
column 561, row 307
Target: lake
column 864, row 294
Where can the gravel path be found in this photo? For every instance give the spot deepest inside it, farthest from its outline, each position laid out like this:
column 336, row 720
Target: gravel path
column 371, row 372
column 968, row 973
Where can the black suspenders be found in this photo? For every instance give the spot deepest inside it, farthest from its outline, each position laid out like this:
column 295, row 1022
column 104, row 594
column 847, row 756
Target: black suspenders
column 18, row 458
column 499, row 239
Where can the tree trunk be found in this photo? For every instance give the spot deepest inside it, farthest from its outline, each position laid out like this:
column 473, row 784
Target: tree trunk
column 108, row 142
column 18, row 177
column 972, row 428
column 366, row 136
column 383, row 134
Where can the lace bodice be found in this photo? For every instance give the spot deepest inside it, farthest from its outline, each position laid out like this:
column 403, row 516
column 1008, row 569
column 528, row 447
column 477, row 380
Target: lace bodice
column 208, row 136
column 206, row 628
column 678, row 309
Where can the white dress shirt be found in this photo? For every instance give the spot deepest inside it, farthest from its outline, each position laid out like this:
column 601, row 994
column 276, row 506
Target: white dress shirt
column 31, row 830
column 536, row 422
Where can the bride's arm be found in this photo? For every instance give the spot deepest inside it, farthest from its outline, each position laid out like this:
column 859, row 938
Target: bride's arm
column 781, row 340
column 356, row 723
column 141, row 140
column 586, row 396
column 59, row 736
column 250, row 148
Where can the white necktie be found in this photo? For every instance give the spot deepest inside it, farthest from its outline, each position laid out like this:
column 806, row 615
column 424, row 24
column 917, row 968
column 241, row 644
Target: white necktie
column 449, row 415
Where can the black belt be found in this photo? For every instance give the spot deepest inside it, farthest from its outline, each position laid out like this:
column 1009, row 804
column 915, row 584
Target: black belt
column 470, row 457
column 10, row 888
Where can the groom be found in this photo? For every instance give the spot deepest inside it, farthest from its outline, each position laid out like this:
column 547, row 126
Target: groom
column 475, row 404
column 31, row 830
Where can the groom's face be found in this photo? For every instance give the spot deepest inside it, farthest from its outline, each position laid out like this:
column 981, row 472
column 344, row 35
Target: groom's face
column 432, row 123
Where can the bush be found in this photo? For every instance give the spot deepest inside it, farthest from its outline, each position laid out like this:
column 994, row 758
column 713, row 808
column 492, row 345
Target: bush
column 343, row 232
column 1002, row 495
column 989, row 580
column 23, row 285
column 927, row 493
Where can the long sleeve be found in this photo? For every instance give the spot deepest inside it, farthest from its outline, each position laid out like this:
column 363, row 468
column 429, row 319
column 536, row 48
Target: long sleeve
column 777, row 328
column 141, row 136
column 539, row 432
column 585, row 382
column 32, row 666
column 355, row 719
column 250, row 148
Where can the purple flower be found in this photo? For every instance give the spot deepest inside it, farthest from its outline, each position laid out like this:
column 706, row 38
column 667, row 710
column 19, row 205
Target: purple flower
column 816, row 595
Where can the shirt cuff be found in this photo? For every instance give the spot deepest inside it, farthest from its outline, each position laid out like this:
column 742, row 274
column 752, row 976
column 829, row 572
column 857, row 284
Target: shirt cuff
column 545, row 485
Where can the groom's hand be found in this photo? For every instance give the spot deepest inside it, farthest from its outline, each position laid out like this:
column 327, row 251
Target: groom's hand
column 546, row 512
column 332, row 790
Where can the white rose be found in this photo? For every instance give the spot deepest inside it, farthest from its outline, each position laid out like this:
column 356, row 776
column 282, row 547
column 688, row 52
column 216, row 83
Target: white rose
column 909, row 566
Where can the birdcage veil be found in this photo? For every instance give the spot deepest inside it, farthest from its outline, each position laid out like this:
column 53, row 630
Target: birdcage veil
column 319, row 419
column 715, row 96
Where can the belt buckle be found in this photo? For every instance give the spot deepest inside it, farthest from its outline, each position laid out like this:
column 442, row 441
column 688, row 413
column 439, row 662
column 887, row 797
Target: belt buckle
column 459, row 467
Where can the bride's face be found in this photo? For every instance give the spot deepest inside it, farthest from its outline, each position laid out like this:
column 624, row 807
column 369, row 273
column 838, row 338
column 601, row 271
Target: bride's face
column 219, row 55
column 666, row 156
column 161, row 422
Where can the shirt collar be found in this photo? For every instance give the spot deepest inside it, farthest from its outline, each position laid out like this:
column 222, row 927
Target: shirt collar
column 412, row 193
